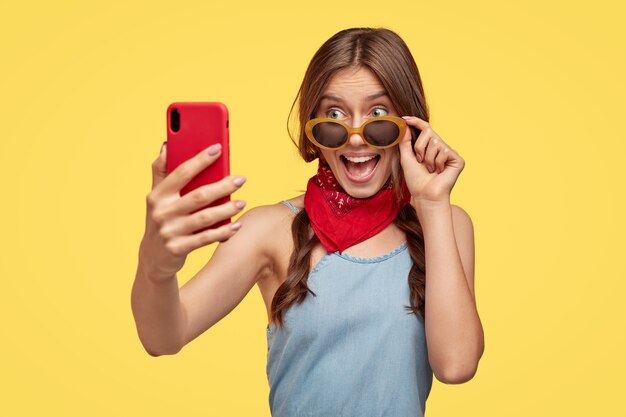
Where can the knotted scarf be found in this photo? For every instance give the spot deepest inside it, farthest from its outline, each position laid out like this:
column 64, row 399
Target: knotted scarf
column 340, row 220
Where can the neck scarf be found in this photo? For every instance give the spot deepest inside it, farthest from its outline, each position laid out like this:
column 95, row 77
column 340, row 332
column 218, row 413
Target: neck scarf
column 340, row 220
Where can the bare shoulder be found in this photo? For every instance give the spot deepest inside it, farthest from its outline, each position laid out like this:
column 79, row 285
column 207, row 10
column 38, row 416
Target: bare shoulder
column 270, row 215
column 460, row 216
column 464, row 236
column 462, row 223
column 270, row 223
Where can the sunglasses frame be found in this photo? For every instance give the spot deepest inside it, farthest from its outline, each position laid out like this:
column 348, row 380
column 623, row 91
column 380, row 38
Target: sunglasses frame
column 400, row 122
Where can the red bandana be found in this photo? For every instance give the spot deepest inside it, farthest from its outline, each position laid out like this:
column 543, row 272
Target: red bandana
column 341, row 221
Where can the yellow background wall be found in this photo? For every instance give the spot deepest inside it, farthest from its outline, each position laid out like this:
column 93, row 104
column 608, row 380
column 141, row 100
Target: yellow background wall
column 531, row 94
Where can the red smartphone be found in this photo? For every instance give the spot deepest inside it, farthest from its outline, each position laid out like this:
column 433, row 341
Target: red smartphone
column 191, row 128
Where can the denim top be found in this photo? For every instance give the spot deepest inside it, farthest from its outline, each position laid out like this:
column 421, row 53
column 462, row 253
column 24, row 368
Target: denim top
column 352, row 350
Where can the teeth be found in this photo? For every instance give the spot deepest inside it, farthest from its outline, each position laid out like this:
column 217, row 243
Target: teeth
column 359, row 159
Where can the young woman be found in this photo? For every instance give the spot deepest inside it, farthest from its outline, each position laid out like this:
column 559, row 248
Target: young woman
column 368, row 278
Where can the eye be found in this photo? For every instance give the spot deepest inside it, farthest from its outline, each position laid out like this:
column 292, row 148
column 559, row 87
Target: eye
column 334, row 114
column 379, row 111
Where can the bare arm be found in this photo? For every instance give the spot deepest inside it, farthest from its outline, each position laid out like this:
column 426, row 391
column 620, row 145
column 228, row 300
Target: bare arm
column 453, row 328
column 159, row 315
column 232, row 271
column 174, row 317
column 171, row 221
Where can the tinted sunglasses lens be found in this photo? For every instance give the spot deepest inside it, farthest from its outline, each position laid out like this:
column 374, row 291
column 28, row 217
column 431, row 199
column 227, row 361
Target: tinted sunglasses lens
column 381, row 132
column 331, row 135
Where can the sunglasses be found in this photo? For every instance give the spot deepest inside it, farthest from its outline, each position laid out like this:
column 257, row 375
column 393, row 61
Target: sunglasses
column 378, row 132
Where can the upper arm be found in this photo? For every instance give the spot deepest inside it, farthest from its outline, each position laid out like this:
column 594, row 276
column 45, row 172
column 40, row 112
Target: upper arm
column 464, row 235
column 229, row 275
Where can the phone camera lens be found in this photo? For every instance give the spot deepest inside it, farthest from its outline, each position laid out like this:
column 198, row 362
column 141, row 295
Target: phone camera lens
column 175, row 120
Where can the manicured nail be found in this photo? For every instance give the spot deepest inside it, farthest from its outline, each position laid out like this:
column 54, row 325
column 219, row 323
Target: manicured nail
column 419, row 157
column 235, row 226
column 215, row 149
column 238, row 181
column 240, row 204
column 407, row 117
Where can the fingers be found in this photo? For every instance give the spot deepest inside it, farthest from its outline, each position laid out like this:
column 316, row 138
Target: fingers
column 415, row 132
column 406, row 150
column 416, row 121
column 185, row 172
column 185, row 244
column 431, row 152
column 422, row 140
column 429, row 148
column 209, row 216
column 159, row 168
column 441, row 158
column 202, row 196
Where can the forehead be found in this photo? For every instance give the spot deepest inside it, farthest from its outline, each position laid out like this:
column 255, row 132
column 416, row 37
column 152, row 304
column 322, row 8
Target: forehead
column 354, row 83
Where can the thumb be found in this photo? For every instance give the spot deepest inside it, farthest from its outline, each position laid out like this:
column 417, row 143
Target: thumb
column 159, row 166
column 407, row 156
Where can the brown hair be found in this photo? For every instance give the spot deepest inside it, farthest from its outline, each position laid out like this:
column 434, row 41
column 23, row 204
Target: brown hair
column 386, row 55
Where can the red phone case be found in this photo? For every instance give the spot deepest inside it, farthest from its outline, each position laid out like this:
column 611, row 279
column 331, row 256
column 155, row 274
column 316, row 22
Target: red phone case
column 201, row 124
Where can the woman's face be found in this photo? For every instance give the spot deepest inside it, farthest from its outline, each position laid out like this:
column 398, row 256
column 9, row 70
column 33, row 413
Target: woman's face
column 353, row 96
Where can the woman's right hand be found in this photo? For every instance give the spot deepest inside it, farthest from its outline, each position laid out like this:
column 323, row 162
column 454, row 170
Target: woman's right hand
column 170, row 221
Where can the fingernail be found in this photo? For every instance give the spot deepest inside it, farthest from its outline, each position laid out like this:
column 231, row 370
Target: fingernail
column 240, row 204
column 215, row 149
column 407, row 117
column 238, row 181
column 419, row 157
column 162, row 147
column 235, row 226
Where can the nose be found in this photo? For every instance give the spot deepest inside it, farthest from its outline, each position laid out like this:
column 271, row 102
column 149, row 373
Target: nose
column 356, row 140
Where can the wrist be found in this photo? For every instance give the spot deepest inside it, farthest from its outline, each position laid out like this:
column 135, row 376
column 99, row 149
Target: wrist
column 432, row 214
column 420, row 204
column 150, row 272
column 149, row 275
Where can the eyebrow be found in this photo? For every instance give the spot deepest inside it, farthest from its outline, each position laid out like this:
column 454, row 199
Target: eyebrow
column 370, row 97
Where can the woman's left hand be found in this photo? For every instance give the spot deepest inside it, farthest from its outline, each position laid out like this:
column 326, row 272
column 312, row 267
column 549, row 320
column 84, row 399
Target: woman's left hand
column 431, row 167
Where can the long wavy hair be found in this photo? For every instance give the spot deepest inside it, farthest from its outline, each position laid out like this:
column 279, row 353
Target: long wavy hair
column 386, row 55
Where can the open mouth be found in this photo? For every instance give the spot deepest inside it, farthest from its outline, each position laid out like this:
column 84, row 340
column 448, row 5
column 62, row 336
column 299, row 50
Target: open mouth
column 360, row 169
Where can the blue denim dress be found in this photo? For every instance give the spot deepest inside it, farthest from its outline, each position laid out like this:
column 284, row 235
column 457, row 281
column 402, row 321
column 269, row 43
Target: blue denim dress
column 354, row 350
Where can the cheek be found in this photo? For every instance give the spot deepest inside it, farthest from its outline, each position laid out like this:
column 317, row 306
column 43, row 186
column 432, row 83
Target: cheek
column 392, row 159
column 328, row 156
column 392, row 166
